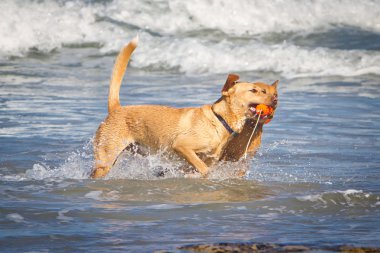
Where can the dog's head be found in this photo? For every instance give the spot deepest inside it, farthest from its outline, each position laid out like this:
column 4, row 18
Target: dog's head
column 243, row 97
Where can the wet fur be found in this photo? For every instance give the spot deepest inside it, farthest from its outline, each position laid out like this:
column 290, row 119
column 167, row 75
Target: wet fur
column 195, row 134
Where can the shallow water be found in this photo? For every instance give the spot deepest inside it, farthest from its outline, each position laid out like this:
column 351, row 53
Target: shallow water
column 315, row 180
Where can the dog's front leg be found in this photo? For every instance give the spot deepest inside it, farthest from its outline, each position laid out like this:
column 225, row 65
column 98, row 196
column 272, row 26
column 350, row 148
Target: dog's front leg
column 192, row 158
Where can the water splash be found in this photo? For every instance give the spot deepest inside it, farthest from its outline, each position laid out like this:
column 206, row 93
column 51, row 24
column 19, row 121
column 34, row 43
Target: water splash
column 157, row 166
column 78, row 165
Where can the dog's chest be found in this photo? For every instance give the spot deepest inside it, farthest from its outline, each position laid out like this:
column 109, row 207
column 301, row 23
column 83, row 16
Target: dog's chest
column 214, row 150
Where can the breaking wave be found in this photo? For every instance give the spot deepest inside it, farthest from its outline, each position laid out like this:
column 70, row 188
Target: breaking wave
column 200, row 36
column 349, row 198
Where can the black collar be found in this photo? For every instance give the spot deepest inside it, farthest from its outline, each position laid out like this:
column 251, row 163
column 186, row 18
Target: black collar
column 225, row 124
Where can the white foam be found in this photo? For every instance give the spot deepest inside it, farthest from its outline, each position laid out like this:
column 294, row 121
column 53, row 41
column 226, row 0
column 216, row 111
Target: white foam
column 345, row 194
column 62, row 217
column 312, row 198
column 16, row 177
column 269, row 216
column 352, row 192
column 102, row 196
column 348, row 198
column 164, row 207
column 47, row 25
column 245, row 17
column 94, row 195
column 15, row 217
column 193, row 56
column 184, row 42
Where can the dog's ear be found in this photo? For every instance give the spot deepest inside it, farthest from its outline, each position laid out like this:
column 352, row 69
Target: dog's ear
column 231, row 81
column 275, row 84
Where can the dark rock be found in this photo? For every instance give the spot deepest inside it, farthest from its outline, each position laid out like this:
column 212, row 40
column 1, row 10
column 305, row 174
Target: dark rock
column 272, row 248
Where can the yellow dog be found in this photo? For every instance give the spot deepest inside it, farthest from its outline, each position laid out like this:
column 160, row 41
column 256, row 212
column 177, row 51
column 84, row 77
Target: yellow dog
column 202, row 136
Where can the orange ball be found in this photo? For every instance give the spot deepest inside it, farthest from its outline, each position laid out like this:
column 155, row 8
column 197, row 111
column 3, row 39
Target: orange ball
column 264, row 109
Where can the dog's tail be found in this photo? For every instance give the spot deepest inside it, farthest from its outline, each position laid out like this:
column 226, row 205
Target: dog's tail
column 118, row 72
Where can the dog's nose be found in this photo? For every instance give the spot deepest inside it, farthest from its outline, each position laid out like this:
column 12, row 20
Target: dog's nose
column 274, row 101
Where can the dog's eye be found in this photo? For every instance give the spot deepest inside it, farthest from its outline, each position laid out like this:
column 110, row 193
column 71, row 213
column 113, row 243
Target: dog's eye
column 254, row 90
column 264, row 91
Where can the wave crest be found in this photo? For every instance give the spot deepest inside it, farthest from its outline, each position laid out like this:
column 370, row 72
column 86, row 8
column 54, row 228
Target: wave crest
column 198, row 36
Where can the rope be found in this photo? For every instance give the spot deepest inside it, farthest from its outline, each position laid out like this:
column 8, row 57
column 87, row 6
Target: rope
column 250, row 138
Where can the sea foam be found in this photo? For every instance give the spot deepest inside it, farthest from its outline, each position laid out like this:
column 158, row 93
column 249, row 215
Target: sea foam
column 193, row 56
column 196, row 37
column 348, row 198
column 15, row 217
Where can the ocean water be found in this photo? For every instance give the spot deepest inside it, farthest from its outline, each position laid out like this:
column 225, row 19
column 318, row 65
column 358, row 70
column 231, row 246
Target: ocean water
column 315, row 181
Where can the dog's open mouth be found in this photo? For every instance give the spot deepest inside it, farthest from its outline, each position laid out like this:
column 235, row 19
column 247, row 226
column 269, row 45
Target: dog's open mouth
column 265, row 112
column 252, row 109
